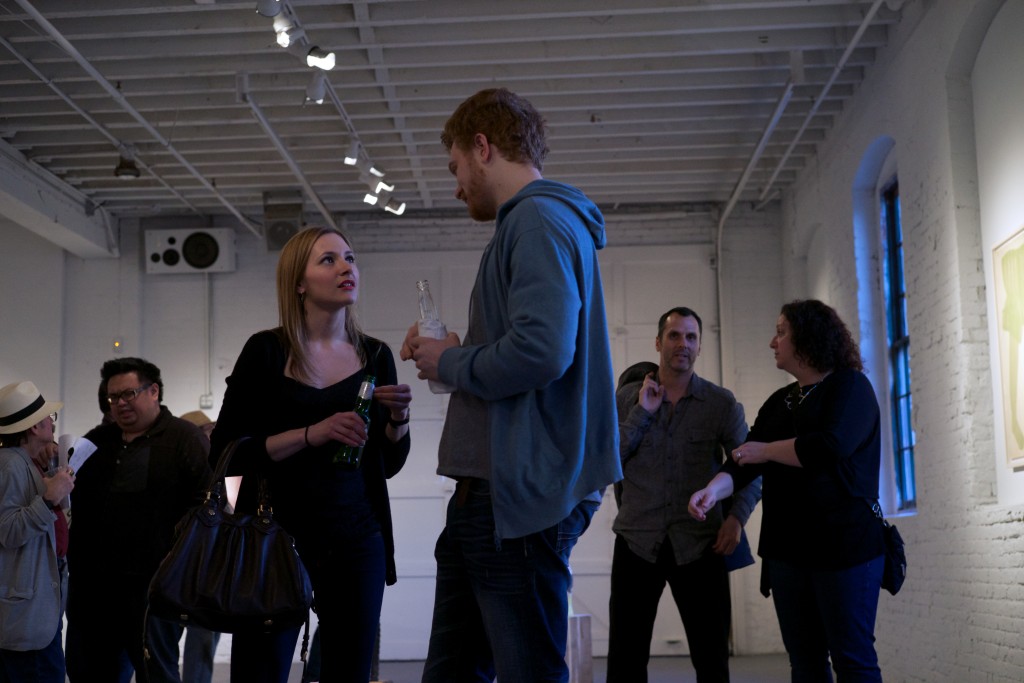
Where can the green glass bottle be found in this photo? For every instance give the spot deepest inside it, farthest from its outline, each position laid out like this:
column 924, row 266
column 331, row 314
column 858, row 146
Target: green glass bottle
column 349, row 456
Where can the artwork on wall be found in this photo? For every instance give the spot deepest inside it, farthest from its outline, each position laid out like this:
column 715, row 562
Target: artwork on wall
column 1008, row 270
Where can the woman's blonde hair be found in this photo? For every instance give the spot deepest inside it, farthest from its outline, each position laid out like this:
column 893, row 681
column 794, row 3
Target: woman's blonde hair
column 291, row 268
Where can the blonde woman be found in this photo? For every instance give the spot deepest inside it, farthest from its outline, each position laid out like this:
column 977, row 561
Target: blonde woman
column 293, row 390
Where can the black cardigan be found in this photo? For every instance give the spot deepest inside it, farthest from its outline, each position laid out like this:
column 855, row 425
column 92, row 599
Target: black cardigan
column 816, row 516
column 314, row 500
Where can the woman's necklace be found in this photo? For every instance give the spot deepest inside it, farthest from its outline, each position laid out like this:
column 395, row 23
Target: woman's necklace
column 798, row 394
column 801, row 394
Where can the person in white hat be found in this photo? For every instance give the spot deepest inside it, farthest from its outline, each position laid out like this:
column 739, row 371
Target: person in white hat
column 33, row 538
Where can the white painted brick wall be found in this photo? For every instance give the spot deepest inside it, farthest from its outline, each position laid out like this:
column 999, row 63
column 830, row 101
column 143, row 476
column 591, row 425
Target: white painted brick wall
column 961, row 614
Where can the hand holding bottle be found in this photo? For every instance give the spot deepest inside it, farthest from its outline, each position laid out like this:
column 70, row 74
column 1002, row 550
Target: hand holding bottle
column 426, row 351
column 349, row 455
column 347, row 428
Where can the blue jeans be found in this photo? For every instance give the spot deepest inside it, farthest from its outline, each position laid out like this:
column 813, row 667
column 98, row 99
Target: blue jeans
column 197, row 662
column 34, row 666
column 828, row 613
column 500, row 607
column 348, row 590
column 701, row 592
column 162, row 638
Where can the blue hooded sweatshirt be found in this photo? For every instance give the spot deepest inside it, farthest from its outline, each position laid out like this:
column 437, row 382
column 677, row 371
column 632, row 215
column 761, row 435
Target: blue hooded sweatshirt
column 545, row 368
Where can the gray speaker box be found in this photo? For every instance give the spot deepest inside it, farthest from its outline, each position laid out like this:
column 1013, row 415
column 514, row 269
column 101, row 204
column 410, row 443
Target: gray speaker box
column 280, row 223
column 192, row 250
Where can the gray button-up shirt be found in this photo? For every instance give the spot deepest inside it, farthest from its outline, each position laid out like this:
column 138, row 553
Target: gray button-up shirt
column 668, row 456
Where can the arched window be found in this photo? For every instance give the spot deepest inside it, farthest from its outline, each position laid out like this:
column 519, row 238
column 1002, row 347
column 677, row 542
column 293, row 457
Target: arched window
column 882, row 303
column 898, row 340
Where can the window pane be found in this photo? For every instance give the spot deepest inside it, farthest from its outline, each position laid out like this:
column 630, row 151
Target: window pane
column 897, row 334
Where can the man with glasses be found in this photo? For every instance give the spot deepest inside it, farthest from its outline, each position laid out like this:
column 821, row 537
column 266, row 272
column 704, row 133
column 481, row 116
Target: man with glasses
column 149, row 468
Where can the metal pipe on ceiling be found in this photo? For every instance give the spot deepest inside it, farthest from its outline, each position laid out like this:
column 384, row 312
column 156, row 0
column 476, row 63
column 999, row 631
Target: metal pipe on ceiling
column 758, row 151
column 246, row 97
column 87, row 66
column 821, row 96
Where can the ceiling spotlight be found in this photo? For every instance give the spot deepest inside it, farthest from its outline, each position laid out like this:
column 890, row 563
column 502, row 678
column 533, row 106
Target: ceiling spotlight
column 370, row 198
column 320, row 58
column 282, row 23
column 352, row 156
column 366, row 166
column 384, row 187
column 268, row 8
column 126, row 168
column 290, row 36
column 317, row 88
column 394, row 206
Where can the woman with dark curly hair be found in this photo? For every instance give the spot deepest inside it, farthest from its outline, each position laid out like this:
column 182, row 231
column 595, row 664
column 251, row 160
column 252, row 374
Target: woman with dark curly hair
column 816, row 443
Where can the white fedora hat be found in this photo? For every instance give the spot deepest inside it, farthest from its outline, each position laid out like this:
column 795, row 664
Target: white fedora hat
column 21, row 406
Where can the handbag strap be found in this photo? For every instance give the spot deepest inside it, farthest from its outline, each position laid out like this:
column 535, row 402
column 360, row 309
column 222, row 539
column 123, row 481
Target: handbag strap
column 877, row 509
column 215, row 489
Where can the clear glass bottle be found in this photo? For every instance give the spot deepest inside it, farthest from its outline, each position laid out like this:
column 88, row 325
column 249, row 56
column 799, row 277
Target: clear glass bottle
column 430, row 325
column 349, row 456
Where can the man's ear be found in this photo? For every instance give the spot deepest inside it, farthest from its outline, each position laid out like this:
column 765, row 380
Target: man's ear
column 482, row 147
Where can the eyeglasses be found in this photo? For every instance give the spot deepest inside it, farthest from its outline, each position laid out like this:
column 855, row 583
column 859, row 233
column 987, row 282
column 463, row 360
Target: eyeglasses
column 53, row 416
column 128, row 395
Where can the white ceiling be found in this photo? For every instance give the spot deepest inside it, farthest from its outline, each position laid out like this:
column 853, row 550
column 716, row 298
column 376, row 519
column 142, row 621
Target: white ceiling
column 650, row 103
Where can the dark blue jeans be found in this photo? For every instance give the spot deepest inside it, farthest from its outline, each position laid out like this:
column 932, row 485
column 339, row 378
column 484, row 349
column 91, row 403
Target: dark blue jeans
column 828, row 613
column 348, row 589
column 701, row 592
column 500, row 607
column 35, row 666
column 197, row 660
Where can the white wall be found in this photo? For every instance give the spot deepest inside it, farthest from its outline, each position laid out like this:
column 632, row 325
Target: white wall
column 959, row 617
column 31, row 311
column 998, row 88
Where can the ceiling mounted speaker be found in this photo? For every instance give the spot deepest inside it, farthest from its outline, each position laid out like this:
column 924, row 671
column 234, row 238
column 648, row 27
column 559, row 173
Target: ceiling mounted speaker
column 203, row 250
column 280, row 223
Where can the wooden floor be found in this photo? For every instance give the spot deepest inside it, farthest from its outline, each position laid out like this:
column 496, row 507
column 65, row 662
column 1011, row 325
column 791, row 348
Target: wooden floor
column 748, row 669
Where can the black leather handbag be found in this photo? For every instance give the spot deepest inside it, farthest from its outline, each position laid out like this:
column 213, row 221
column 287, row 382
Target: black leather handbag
column 895, row 572
column 231, row 573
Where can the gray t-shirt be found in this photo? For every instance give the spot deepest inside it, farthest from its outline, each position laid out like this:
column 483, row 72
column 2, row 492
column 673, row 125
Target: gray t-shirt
column 465, row 440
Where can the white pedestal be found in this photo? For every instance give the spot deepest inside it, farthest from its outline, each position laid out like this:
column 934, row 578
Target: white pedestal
column 579, row 653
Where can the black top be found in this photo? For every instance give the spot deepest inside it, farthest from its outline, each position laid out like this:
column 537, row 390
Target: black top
column 317, row 502
column 816, row 515
column 129, row 497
